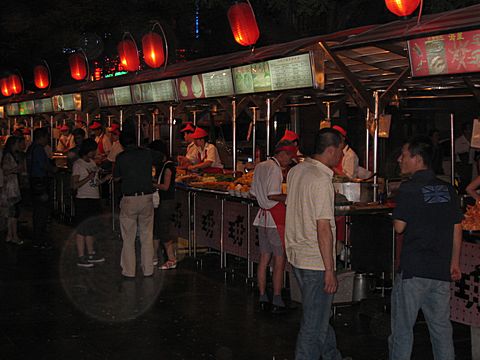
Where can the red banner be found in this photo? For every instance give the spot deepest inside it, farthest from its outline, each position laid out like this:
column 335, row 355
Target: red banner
column 455, row 53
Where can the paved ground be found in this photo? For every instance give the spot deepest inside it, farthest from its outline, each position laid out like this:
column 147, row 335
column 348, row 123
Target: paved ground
column 50, row 309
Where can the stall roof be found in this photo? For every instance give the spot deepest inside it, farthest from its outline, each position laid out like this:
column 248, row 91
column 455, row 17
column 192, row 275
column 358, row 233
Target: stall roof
column 375, row 54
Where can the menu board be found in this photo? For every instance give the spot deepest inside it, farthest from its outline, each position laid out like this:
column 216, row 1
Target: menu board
column 454, row 53
column 26, row 107
column 43, row 105
column 122, row 95
column 280, row 74
column 218, row 83
column 106, row 97
column 156, row 91
column 2, row 112
column 190, row 87
column 67, row 102
column 12, row 109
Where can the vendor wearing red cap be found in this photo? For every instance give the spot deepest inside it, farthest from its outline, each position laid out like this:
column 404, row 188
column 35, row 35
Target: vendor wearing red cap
column 117, row 148
column 206, row 156
column 294, row 138
column 65, row 141
column 187, row 132
column 348, row 166
column 103, row 141
column 267, row 188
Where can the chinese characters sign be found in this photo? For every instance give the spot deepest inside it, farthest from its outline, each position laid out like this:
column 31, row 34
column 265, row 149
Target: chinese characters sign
column 455, row 53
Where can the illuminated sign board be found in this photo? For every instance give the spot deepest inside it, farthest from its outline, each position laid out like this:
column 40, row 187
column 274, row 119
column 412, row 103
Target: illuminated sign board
column 43, row 105
column 156, row 91
column 190, row 87
column 218, row 83
column 122, row 95
column 67, row 102
column 12, row 109
column 26, row 107
column 106, row 97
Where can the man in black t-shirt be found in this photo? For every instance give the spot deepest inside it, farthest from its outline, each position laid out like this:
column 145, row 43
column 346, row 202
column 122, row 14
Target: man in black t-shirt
column 133, row 167
column 429, row 215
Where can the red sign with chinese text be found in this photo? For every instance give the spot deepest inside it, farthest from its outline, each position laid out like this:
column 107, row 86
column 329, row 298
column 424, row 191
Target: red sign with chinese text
column 455, row 53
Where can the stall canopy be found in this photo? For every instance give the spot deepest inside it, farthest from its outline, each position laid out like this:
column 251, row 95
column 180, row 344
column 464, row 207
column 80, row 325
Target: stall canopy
column 357, row 60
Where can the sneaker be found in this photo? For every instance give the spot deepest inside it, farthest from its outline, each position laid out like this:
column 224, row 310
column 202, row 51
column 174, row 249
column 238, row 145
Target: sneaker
column 83, row 262
column 170, row 264
column 94, row 258
column 17, row 241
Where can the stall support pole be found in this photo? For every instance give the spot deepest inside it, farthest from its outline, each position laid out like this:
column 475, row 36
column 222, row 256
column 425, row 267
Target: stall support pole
column 88, row 119
column 51, row 133
column 367, row 141
column 195, row 118
column 234, row 133
column 31, row 128
column 112, row 197
column 170, row 124
column 254, row 135
column 452, row 149
column 267, row 124
column 294, row 116
column 153, row 126
column 190, row 209
column 223, row 254
column 109, row 117
column 194, row 236
column 139, row 129
column 121, row 119
column 9, row 126
column 375, row 147
column 329, row 115
column 249, row 246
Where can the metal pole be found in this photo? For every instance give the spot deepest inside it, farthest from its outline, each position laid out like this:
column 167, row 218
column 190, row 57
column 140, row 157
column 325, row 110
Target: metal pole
column 234, row 133
column 31, row 128
column 139, row 128
column 194, row 118
column 112, row 197
column 452, row 149
column 254, row 135
column 267, row 124
column 327, row 104
column 153, row 126
column 367, row 141
column 375, row 147
column 170, row 124
column 190, row 209
column 109, row 117
column 121, row 119
column 88, row 119
column 9, row 126
column 51, row 132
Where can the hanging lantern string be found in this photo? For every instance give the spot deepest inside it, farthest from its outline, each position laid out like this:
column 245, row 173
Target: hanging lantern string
column 420, row 12
column 164, row 40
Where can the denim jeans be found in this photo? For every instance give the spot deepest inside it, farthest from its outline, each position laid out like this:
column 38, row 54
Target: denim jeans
column 408, row 297
column 316, row 337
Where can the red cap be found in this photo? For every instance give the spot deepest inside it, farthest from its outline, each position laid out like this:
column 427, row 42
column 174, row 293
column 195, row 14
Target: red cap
column 199, row 133
column 189, row 128
column 95, row 125
column 340, row 130
column 64, row 127
column 114, row 129
column 290, row 136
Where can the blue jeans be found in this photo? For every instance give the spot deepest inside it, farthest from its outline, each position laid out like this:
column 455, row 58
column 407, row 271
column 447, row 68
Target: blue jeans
column 316, row 337
column 408, row 297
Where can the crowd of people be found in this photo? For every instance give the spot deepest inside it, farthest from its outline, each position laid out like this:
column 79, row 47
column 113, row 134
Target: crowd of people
column 298, row 226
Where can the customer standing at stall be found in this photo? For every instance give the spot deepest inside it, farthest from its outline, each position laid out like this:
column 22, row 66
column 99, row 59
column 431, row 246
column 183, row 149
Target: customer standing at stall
column 270, row 220
column 310, row 244
column 428, row 212
column 133, row 167
column 205, row 157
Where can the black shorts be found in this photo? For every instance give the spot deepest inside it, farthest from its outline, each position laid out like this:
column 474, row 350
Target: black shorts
column 163, row 221
column 87, row 218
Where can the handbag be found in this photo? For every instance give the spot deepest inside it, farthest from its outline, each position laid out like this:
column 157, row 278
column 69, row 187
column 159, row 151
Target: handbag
column 156, row 194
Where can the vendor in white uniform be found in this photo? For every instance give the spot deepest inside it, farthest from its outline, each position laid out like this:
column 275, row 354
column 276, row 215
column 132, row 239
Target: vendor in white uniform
column 65, row 141
column 187, row 132
column 270, row 220
column 205, row 157
column 348, row 166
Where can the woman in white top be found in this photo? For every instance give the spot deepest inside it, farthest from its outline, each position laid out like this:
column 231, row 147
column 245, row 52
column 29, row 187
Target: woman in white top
column 206, row 157
column 86, row 181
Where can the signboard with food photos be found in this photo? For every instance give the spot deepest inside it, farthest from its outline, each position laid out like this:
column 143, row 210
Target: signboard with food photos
column 26, row 107
column 190, row 87
column 43, row 105
column 67, row 102
column 156, row 91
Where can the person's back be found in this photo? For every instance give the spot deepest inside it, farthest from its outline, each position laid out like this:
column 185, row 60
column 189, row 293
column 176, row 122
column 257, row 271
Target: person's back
column 134, row 166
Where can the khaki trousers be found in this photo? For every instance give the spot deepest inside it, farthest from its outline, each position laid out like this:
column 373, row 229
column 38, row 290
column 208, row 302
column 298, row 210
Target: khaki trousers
column 136, row 212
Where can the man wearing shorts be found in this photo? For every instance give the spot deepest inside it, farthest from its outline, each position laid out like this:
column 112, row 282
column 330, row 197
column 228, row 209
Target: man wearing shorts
column 270, row 220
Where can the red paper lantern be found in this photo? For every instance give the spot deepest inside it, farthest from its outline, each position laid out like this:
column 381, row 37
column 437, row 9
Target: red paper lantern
column 127, row 50
column 15, row 84
column 78, row 66
column 243, row 24
column 41, row 76
column 152, row 46
column 5, row 86
column 402, row 7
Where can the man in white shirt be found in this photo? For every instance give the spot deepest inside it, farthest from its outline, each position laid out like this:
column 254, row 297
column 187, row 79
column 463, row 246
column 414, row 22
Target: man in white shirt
column 270, row 220
column 310, row 244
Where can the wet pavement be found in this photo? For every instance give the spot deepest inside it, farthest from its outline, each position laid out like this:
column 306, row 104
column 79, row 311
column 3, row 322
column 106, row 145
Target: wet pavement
column 51, row 309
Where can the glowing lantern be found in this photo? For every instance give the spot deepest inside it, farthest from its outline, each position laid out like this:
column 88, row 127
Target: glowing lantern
column 78, row 66
column 41, row 76
column 127, row 50
column 243, row 24
column 152, row 46
column 15, row 84
column 5, row 86
column 402, row 7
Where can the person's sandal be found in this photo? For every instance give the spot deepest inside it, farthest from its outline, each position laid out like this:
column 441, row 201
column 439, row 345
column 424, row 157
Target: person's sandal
column 170, row 264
